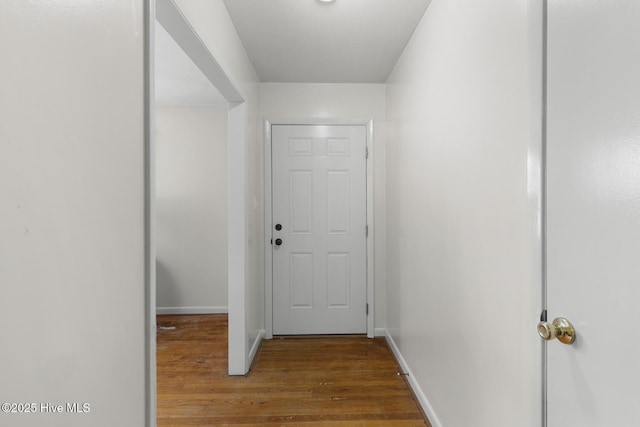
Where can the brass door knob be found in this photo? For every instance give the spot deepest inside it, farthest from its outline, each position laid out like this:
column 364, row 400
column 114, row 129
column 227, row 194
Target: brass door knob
column 561, row 329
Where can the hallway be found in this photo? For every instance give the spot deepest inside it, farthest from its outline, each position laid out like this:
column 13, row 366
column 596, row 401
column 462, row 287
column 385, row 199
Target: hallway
column 504, row 190
column 338, row 381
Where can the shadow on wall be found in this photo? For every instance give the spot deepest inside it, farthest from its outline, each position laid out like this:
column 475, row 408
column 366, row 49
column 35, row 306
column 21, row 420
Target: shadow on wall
column 166, row 285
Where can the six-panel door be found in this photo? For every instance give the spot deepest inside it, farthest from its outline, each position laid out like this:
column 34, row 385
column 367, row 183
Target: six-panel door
column 319, row 229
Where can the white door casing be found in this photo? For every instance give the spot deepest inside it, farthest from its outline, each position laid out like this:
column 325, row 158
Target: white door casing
column 319, row 186
column 593, row 211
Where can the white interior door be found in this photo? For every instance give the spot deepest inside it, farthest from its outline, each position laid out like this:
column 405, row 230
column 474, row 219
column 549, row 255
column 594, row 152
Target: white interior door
column 593, row 211
column 319, row 234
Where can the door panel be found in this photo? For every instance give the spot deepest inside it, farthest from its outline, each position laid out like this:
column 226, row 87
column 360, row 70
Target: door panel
column 338, row 202
column 301, row 201
column 593, row 211
column 319, row 199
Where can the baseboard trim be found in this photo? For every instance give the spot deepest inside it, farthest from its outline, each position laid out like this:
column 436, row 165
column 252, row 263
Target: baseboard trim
column 422, row 398
column 192, row 310
column 256, row 346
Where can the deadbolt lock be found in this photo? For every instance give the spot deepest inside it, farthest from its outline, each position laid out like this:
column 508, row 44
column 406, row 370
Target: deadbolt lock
column 560, row 328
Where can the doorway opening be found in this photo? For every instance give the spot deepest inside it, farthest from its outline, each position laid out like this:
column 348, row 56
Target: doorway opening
column 191, row 185
column 230, row 110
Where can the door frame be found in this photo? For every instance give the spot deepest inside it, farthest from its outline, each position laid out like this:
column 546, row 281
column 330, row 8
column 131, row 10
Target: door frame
column 268, row 255
column 537, row 185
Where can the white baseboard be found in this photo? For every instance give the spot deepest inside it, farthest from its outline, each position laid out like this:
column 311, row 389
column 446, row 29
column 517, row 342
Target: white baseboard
column 426, row 406
column 256, row 345
column 192, row 310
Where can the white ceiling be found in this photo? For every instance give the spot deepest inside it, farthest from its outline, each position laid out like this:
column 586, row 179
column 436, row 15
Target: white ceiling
column 178, row 81
column 348, row 41
column 301, row 41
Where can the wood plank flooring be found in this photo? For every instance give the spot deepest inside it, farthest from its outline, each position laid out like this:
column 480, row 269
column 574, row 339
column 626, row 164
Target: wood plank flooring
column 319, row 381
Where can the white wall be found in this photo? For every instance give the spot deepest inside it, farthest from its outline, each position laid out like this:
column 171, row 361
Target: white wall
column 320, row 100
column 463, row 279
column 211, row 21
column 191, row 210
column 72, row 211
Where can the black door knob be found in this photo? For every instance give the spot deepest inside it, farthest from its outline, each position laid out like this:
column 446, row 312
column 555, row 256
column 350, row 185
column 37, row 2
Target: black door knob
column 278, row 227
column 278, row 242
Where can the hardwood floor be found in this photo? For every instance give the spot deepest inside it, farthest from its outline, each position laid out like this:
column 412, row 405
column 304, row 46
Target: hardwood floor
column 339, row 381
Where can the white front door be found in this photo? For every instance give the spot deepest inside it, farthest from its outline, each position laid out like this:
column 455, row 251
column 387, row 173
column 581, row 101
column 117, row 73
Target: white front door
column 319, row 229
column 593, row 211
